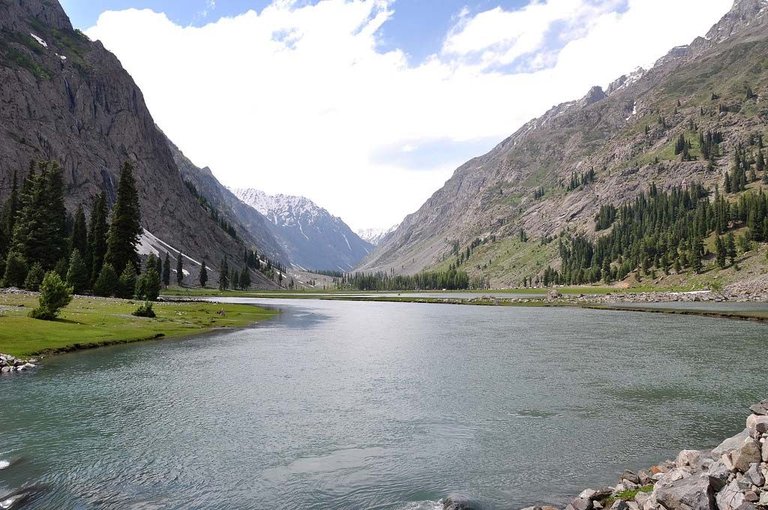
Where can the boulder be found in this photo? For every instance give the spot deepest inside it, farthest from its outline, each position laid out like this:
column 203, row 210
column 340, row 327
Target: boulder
column 763, row 498
column 751, row 497
column 765, row 451
column 620, row 505
column 645, row 478
column 758, row 409
column 730, row 444
column 596, row 505
column 630, row 476
column 730, row 498
column 458, row 503
column 755, row 475
column 747, row 506
column 691, row 493
column 718, row 475
column 691, row 458
column 757, row 425
column 747, row 454
column 588, row 494
column 672, row 476
column 579, row 504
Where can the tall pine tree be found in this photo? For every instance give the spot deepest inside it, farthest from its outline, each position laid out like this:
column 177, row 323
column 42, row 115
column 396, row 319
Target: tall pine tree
column 125, row 228
column 203, row 275
column 179, row 270
column 79, row 238
column 167, row 270
column 97, row 238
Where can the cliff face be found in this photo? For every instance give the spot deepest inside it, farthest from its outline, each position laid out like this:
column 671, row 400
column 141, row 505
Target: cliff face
column 66, row 98
column 626, row 135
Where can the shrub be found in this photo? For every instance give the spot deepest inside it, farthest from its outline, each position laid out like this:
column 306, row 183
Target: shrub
column 126, row 285
column 54, row 295
column 148, row 286
column 145, row 310
column 106, row 283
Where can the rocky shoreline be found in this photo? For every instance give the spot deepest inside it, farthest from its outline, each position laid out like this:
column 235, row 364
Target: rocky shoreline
column 10, row 364
column 732, row 476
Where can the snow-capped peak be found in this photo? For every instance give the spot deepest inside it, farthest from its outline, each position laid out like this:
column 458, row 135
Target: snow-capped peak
column 375, row 235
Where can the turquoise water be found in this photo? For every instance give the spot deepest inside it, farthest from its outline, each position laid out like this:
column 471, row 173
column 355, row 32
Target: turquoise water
column 378, row 405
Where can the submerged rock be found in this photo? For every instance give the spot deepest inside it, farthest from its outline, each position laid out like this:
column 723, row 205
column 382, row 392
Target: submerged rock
column 458, row 503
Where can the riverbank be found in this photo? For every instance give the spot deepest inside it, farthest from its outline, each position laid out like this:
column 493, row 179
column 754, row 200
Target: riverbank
column 89, row 322
column 731, row 476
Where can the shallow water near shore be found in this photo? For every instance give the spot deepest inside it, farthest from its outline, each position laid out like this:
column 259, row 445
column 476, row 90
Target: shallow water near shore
column 379, row 405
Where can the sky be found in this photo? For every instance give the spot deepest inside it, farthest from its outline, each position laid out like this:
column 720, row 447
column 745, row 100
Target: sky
column 368, row 106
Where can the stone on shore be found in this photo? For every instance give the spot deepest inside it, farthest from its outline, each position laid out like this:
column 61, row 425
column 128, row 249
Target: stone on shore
column 691, row 493
column 688, row 458
column 730, row 498
column 731, row 443
column 746, row 455
column 718, row 475
column 754, row 475
column 579, row 504
column 757, row 425
column 457, row 503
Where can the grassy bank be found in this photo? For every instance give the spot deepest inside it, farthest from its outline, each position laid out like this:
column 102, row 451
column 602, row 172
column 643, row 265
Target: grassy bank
column 92, row 322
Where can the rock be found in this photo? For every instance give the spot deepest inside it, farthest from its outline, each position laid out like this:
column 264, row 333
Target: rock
column 645, row 478
column 630, row 476
column 458, row 503
column 690, row 458
column 746, row 506
column 757, row 425
column 758, row 409
column 620, row 505
column 642, row 498
column 765, row 451
column 596, row 505
column 579, row 504
column 672, row 476
column 633, row 505
column 751, row 497
column 588, row 494
column 730, row 498
column 655, row 470
column 730, row 444
column 718, row 475
column 754, row 475
column 691, row 493
column 763, row 499
column 554, row 294
column 747, row 454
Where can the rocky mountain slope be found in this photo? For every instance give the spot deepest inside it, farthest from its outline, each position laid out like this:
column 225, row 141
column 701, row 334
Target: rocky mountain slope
column 623, row 136
column 66, row 98
column 311, row 236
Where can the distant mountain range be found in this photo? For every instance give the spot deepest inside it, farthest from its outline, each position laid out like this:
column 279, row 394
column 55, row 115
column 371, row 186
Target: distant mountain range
column 375, row 235
column 311, row 236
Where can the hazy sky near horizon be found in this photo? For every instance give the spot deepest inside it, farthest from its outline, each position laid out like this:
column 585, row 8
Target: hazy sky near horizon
column 368, row 106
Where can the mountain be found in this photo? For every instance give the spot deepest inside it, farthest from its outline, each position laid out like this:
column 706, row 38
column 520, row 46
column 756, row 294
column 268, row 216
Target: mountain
column 495, row 217
column 250, row 225
column 312, row 237
column 374, row 236
column 66, row 98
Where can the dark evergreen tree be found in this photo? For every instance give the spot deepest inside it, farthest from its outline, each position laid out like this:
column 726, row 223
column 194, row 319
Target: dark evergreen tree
column 721, row 253
column 203, row 275
column 79, row 238
column 125, row 227
column 159, row 267
column 106, row 283
column 97, row 237
column 77, row 274
column 126, row 284
column 61, row 267
column 16, row 269
column 34, row 277
column 245, row 279
column 167, row 270
column 224, row 274
column 179, row 270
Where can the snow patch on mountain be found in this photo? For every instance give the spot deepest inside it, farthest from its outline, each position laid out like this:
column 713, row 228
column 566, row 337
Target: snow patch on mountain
column 375, row 235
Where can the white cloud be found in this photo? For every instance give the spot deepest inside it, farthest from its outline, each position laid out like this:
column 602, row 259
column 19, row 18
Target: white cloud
column 299, row 99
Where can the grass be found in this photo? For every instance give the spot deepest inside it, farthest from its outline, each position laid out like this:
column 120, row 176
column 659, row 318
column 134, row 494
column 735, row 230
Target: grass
column 92, row 322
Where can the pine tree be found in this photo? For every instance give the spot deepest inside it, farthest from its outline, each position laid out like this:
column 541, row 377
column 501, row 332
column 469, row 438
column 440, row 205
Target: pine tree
column 40, row 229
column 34, row 277
column 179, row 270
column 79, row 238
column 760, row 163
column 126, row 284
column 16, row 269
column 125, row 228
column 721, row 252
column 97, row 237
column 203, row 275
column 167, row 270
column 54, row 295
column 245, row 279
column 148, row 287
column 159, row 267
column 77, row 275
column 106, row 283
column 224, row 274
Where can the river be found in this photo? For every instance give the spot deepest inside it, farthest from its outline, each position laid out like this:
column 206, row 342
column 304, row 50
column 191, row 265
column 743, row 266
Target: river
column 378, row 405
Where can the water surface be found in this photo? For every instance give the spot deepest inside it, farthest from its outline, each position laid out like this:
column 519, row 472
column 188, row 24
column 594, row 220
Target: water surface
column 379, row 405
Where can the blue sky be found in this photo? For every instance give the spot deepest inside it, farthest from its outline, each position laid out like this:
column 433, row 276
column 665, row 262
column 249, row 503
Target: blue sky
column 418, row 27
column 368, row 106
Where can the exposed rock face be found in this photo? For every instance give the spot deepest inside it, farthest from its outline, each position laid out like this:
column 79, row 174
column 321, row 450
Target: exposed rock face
column 68, row 99
column 618, row 134
column 312, row 237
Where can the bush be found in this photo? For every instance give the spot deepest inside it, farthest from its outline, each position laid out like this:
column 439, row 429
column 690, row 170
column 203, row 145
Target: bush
column 54, row 295
column 34, row 278
column 145, row 310
column 148, row 286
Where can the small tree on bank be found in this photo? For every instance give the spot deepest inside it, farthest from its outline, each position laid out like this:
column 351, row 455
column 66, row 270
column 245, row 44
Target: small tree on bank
column 203, row 275
column 167, row 270
column 54, row 295
column 224, row 274
column 179, row 270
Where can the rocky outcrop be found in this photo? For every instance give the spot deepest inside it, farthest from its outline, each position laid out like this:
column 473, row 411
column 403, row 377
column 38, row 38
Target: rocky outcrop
column 731, row 476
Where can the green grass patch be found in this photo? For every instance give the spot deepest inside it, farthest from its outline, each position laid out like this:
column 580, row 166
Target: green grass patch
column 91, row 322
